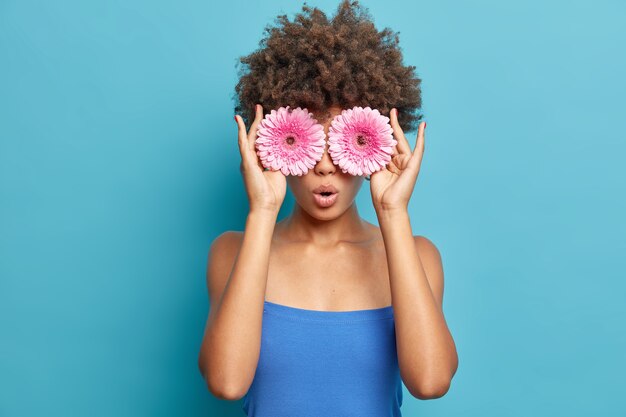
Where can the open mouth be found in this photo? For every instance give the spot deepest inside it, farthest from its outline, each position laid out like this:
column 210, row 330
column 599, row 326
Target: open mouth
column 325, row 198
column 325, row 195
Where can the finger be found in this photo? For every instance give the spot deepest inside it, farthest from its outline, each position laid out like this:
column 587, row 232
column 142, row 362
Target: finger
column 394, row 150
column 418, row 152
column 244, row 146
column 393, row 168
column 242, row 137
column 252, row 134
column 402, row 161
column 396, row 161
column 421, row 135
column 254, row 126
column 403, row 144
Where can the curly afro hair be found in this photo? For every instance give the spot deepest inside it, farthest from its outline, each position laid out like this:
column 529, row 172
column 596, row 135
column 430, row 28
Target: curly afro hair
column 314, row 62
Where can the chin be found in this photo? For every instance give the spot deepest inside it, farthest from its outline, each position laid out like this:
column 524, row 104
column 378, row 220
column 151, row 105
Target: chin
column 328, row 213
column 325, row 214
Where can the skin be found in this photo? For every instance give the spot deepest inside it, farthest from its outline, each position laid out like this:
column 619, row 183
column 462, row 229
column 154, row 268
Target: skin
column 370, row 267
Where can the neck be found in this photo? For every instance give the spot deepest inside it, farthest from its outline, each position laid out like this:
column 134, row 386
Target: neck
column 301, row 226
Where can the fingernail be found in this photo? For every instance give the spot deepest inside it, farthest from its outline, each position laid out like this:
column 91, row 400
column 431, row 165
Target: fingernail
column 235, row 117
column 424, row 125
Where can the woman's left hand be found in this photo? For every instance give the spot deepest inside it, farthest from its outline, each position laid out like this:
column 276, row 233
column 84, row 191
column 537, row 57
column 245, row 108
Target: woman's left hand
column 393, row 185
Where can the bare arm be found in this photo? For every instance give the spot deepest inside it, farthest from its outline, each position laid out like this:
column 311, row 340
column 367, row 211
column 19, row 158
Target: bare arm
column 426, row 351
column 427, row 354
column 232, row 339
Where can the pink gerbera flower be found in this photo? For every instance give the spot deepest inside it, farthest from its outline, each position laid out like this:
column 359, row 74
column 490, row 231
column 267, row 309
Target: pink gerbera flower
column 290, row 141
column 360, row 141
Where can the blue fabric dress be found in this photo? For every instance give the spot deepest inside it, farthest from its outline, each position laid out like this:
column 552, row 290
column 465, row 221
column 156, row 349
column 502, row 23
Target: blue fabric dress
column 326, row 364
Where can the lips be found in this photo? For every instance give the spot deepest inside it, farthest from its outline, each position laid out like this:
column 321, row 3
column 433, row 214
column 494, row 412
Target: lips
column 325, row 195
column 323, row 201
column 325, row 189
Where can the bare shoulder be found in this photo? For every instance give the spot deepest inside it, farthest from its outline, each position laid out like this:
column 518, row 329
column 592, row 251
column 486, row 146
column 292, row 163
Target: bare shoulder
column 226, row 241
column 427, row 248
column 433, row 266
column 221, row 258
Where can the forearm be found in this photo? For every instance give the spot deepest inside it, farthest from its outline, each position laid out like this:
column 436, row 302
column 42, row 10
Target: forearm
column 426, row 351
column 235, row 330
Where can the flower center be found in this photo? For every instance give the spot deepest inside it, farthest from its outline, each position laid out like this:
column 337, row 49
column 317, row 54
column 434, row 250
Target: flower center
column 361, row 140
column 290, row 140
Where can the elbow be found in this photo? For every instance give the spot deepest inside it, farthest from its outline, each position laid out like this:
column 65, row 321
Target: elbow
column 225, row 391
column 219, row 386
column 430, row 390
column 435, row 384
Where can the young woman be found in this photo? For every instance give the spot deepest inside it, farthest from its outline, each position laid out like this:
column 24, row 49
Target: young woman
column 324, row 313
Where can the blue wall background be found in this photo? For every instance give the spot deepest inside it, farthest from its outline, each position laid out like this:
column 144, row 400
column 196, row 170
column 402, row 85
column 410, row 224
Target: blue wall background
column 119, row 165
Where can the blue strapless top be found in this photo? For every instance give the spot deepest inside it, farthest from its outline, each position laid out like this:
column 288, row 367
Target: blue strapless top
column 317, row 363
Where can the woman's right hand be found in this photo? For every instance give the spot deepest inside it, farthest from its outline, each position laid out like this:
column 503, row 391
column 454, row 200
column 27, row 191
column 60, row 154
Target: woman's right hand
column 266, row 189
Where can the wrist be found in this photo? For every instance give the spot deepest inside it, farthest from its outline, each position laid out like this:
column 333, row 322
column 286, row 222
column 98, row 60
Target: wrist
column 263, row 213
column 390, row 208
column 391, row 213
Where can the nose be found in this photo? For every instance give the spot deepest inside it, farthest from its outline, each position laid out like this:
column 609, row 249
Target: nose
column 325, row 166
